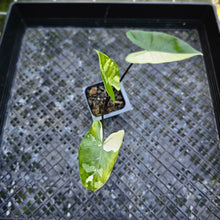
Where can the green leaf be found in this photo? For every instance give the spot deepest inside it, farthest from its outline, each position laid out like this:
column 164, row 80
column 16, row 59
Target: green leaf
column 110, row 74
column 97, row 157
column 158, row 47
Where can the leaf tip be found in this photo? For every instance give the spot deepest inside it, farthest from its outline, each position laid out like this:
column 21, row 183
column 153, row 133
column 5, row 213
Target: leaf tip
column 122, row 131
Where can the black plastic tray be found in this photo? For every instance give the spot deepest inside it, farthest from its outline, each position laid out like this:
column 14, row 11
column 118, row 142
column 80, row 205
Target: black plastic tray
column 23, row 15
column 168, row 166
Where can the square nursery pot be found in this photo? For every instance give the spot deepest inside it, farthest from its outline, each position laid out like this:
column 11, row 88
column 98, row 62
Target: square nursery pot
column 168, row 165
column 122, row 103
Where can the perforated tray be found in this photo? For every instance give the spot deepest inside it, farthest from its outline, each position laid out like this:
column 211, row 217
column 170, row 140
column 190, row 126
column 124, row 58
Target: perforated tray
column 168, row 166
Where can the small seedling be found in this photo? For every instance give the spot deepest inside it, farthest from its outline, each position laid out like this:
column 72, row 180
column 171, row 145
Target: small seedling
column 96, row 155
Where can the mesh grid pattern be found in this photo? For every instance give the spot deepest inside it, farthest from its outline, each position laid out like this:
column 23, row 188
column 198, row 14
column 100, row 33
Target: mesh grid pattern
column 168, row 165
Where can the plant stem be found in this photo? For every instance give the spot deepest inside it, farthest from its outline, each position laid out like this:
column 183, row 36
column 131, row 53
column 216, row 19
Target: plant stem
column 103, row 112
column 126, row 71
column 108, row 98
column 103, row 126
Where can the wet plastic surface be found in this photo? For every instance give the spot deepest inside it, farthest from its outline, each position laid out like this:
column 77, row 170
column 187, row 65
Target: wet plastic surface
column 168, row 165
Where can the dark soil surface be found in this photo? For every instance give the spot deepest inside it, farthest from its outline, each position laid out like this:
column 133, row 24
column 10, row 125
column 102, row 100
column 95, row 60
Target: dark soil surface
column 97, row 97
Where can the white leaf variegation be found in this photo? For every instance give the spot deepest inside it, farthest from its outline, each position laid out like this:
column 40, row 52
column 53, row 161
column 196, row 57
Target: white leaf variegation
column 158, row 47
column 97, row 157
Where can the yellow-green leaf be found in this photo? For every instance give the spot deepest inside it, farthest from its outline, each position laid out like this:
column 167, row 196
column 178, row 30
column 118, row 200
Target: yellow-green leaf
column 158, row 47
column 97, row 157
column 110, row 74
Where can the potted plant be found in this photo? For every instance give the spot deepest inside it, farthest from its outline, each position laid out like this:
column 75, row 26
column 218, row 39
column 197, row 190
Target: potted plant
column 110, row 99
column 96, row 155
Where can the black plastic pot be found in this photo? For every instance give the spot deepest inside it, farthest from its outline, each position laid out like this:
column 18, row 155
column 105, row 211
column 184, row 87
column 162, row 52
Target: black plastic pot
column 127, row 105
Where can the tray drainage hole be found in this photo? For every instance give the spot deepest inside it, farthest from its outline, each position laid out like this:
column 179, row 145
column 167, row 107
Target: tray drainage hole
column 59, row 114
